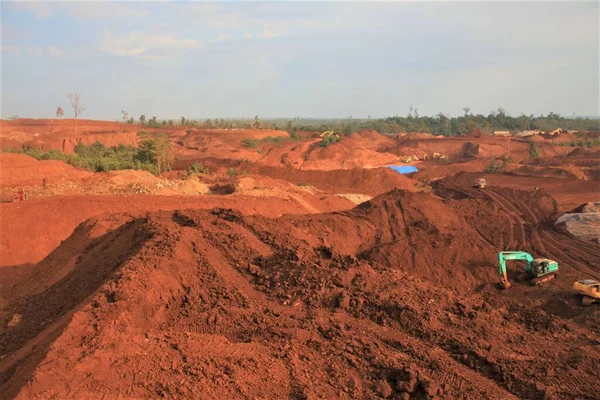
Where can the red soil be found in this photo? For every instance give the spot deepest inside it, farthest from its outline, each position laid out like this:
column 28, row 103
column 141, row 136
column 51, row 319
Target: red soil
column 48, row 221
column 217, row 304
column 367, row 181
column 168, row 296
column 22, row 170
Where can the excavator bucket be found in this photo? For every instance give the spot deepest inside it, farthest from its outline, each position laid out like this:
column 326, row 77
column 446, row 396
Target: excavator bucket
column 505, row 284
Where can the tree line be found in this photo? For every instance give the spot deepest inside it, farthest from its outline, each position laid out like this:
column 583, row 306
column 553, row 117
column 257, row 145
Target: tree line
column 440, row 124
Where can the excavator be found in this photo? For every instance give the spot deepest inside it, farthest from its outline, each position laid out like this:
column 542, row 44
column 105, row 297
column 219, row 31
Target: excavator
column 590, row 291
column 537, row 271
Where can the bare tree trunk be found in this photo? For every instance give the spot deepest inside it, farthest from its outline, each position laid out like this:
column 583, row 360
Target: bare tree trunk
column 76, row 128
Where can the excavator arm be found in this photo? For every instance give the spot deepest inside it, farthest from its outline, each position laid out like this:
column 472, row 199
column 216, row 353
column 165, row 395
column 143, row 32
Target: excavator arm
column 504, row 256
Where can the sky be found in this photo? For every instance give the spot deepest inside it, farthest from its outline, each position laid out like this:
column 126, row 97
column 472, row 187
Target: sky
column 298, row 59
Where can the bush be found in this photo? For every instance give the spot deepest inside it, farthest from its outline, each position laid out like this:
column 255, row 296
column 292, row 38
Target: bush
column 329, row 140
column 250, row 143
column 533, row 151
column 295, row 136
column 98, row 158
column 232, row 171
column 197, row 168
column 492, row 167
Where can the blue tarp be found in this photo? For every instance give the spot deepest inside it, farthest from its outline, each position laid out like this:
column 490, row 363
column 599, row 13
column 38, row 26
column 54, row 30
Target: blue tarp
column 404, row 169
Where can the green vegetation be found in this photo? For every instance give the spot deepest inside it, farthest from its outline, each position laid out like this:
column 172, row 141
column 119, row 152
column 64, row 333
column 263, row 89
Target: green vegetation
column 250, row 143
column 329, row 140
column 198, row 168
column 440, row 124
column 253, row 143
column 232, row 171
column 493, row 166
column 153, row 154
column 533, row 151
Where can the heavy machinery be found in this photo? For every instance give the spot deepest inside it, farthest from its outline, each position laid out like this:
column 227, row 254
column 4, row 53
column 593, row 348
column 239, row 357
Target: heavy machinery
column 481, row 184
column 327, row 134
column 590, row 291
column 537, row 271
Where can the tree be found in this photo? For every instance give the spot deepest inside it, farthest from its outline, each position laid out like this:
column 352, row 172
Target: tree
column 59, row 113
column 153, row 122
column 208, row 123
column 182, row 120
column 466, row 110
column 142, row 119
column 256, row 122
column 156, row 150
column 125, row 115
column 78, row 108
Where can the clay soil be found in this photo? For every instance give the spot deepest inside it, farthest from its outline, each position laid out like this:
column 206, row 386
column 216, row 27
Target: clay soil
column 276, row 284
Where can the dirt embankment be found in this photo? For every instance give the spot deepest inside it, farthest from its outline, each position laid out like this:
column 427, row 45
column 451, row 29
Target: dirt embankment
column 394, row 298
column 21, row 170
column 373, row 181
column 48, row 221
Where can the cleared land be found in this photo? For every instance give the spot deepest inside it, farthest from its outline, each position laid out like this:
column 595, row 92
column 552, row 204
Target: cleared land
column 276, row 283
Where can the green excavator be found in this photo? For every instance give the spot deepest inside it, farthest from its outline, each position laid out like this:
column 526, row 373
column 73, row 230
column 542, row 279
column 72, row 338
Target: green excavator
column 537, row 271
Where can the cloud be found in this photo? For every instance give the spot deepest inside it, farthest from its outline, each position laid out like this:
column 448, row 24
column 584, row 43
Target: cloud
column 34, row 51
column 83, row 9
column 136, row 43
column 55, row 52
column 40, row 9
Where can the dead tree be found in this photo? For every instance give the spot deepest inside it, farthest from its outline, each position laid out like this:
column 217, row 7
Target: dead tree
column 78, row 108
column 59, row 113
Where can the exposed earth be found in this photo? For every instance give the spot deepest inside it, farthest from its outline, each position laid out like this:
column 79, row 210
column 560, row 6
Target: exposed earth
column 316, row 272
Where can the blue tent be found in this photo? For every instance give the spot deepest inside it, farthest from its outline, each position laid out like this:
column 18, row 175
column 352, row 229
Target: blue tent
column 404, row 169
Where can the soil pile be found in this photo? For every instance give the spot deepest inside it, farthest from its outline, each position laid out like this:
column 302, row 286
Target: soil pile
column 21, row 170
column 371, row 181
column 350, row 304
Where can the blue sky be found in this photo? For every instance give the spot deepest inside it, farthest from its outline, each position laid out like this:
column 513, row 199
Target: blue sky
column 310, row 59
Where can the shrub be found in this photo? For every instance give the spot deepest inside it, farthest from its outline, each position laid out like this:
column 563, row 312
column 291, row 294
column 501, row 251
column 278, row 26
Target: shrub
column 197, row 168
column 250, row 143
column 232, row 171
column 98, row 158
column 329, row 140
column 533, row 151
column 492, row 167
column 295, row 136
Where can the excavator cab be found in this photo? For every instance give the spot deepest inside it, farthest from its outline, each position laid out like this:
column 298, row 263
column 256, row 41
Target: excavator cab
column 537, row 271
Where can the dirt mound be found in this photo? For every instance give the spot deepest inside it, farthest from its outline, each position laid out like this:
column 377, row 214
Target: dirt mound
column 363, row 149
column 22, row 170
column 216, row 304
column 371, row 181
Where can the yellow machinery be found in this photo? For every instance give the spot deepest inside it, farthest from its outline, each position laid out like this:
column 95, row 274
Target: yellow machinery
column 438, row 156
column 481, row 184
column 589, row 289
column 327, row 134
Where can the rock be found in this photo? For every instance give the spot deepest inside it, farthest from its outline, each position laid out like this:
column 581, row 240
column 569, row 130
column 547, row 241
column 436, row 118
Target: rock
column 344, row 301
column 16, row 319
column 383, row 388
